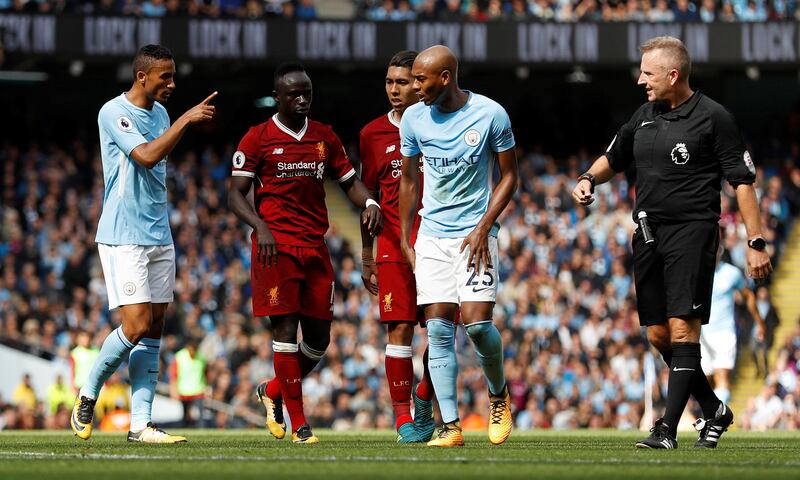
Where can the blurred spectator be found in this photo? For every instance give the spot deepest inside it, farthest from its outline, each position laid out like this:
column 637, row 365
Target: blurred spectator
column 685, row 11
column 82, row 358
column 59, row 394
column 661, row 12
column 187, row 378
column 760, row 348
column 154, row 8
column 23, row 395
column 708, row 11
column 306, row 10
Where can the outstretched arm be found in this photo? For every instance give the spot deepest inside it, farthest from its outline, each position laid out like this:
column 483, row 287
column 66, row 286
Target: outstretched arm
column 150, row 153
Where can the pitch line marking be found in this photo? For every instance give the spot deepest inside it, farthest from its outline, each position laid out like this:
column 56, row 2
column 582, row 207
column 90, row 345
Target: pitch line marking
column 334, row 458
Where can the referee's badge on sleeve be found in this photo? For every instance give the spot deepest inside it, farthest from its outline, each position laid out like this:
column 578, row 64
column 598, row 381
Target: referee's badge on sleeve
column 124, row 124
column 748, row 161
column 238, row 159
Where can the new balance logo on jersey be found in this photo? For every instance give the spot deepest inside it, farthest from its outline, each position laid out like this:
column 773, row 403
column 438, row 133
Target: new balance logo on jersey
column 278, row 151
column 391, row 148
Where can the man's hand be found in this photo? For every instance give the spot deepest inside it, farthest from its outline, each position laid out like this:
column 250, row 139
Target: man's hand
column 373, row 219
column 478, row 243
column 409, row 254
column 266, row 249
column 201, row 112
column 582, row 194
column 760, row 333
column 758, row 264
column 369, row 272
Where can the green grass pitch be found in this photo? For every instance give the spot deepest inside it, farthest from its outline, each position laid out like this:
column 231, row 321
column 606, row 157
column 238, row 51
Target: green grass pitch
column 588, row 455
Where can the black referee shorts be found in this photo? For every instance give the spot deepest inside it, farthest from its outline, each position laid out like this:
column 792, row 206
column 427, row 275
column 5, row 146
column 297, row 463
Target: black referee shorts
column 674, row 277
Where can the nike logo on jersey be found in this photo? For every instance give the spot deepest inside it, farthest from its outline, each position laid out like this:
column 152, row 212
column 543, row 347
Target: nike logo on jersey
column 479, row 290
column 695, row 307
column 676, row 369
column 646, row 123
column 391, row 148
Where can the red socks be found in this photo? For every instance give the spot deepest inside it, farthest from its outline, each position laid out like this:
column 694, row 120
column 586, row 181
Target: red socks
column 400, row 376
column 287, row 373
column 308, row 358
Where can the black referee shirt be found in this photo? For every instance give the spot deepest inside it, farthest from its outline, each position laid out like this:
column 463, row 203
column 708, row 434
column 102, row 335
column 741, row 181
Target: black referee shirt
column 681, row 156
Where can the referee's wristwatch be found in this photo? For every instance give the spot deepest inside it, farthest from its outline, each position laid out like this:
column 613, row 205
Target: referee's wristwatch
column 590, row 177
column 757, row 243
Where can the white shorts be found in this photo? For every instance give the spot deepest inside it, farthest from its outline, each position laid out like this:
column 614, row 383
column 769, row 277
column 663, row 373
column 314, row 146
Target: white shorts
column 442, row 276
column 138, row 273
column 717, row 351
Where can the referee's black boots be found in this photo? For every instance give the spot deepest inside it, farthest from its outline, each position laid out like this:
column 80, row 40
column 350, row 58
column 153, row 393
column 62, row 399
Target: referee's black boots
column 659, row 437
column 711, row 430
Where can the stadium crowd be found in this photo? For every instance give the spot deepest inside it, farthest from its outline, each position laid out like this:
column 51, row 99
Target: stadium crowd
column 442, row 10
column 573, row 346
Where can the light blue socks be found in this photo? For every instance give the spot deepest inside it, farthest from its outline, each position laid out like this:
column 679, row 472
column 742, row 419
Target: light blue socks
column 489, row 348
column 115, row 348
column 443, row 366
column 143, row 372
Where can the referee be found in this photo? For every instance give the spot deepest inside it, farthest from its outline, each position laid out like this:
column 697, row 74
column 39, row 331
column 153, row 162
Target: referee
column 682, row 144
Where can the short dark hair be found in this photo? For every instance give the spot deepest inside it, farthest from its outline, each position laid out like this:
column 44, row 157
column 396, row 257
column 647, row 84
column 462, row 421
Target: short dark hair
column 403, row 58
column 285, row 68
column 143, row 61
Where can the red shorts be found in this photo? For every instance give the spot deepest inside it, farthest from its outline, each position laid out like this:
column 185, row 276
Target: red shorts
column 301, row 282
column 397, row 294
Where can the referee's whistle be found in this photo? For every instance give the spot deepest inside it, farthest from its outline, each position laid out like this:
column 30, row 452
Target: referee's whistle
column 645, row 227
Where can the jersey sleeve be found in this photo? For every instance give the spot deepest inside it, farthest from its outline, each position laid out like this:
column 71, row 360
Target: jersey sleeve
column 737, row 165
column 369, row 173
column 409, row 145
column 501, row 136
column 245, row 159
column 117, row 123
column 341, row 169
column 620, row 150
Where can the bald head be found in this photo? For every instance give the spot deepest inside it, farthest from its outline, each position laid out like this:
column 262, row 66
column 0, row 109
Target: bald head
column 435, row 73
column 437, row 59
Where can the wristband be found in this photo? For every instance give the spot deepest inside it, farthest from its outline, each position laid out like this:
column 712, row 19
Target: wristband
column 590, row 177
column 371, row 202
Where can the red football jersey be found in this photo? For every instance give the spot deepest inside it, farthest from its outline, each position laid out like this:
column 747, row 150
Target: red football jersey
column 290, row 168
column 381, row 169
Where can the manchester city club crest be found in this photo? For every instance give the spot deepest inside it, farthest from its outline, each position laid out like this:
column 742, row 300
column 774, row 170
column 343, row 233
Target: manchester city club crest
column 472, row 137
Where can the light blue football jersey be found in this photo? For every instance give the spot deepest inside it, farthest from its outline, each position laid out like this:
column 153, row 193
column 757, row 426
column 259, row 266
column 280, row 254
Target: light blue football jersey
column 458, row 149
column 135, row 198
column 727, row 281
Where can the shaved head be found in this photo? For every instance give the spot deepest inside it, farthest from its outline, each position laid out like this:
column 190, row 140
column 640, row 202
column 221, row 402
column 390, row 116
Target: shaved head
column 437, row 59
column 435, row 74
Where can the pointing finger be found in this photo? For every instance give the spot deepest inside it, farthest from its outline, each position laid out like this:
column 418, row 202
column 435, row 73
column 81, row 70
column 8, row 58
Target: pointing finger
column 210, row 97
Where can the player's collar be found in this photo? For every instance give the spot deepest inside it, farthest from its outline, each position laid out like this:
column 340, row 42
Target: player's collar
column 298, row 135
column 392, row 120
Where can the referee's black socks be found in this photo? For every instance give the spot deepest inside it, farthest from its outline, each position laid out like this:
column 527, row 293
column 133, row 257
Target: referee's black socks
column 684, row 366
column 701, row 389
